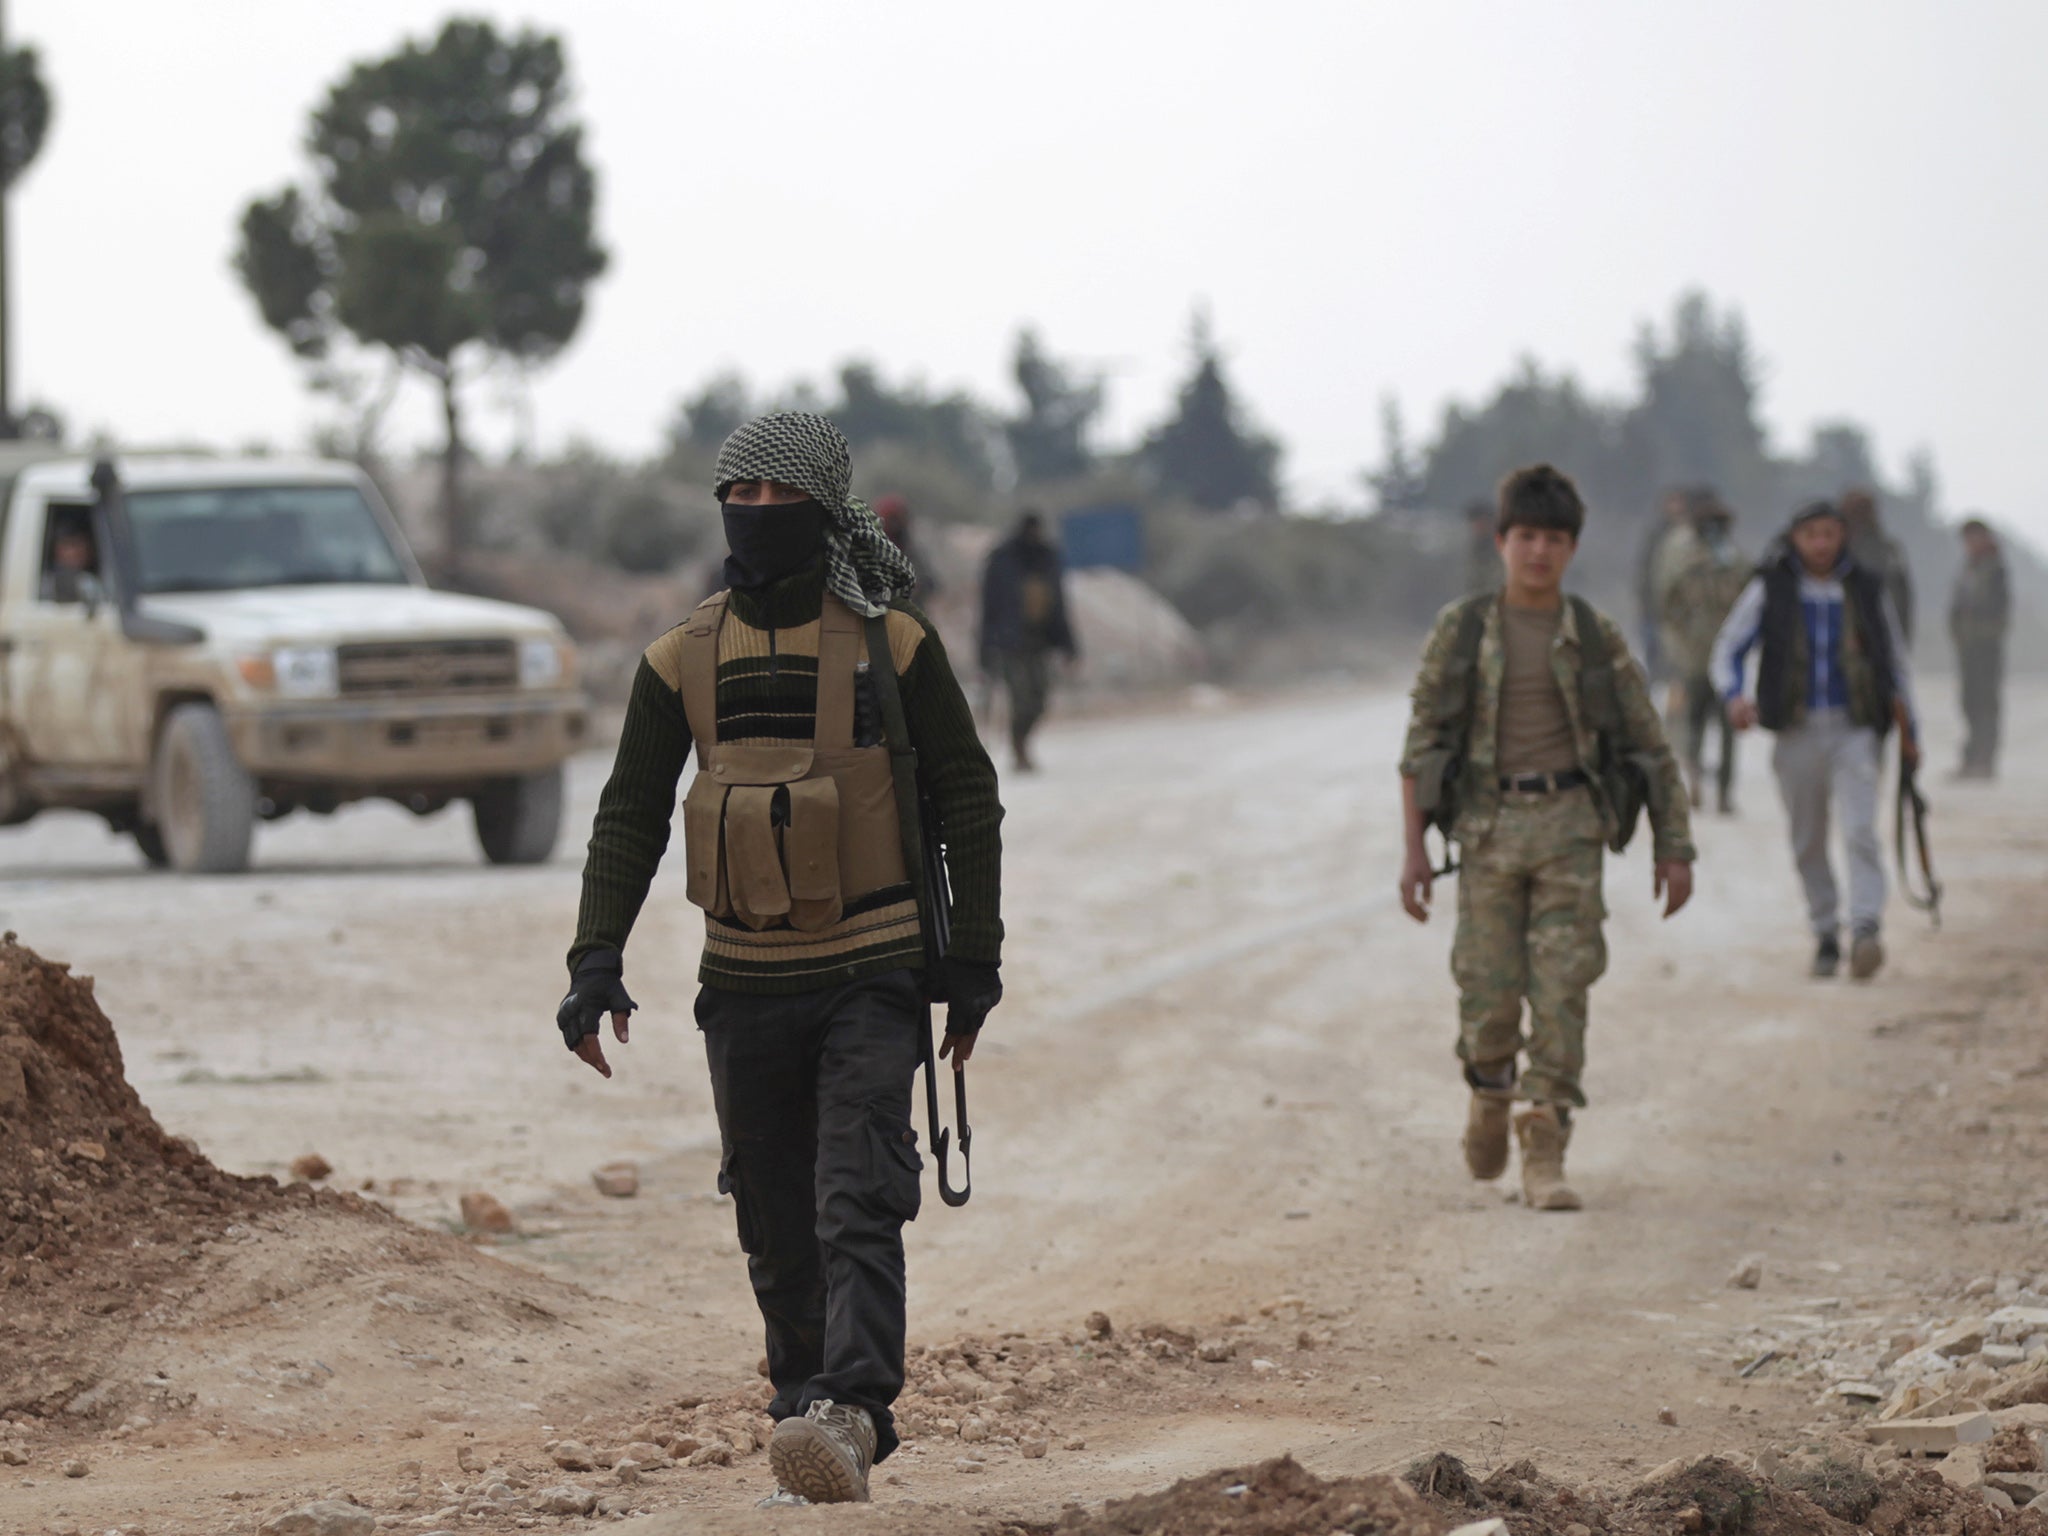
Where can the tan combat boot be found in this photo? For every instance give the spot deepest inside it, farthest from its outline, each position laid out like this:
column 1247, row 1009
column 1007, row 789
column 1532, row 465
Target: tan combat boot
column 824, row 1456
column 1544, row 1135
column 1486, row 1132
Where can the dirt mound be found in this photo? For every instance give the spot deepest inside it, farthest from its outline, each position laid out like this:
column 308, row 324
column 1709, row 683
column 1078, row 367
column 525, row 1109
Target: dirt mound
column 1712, row 1496
column 1274, row 1498
column 102, row 1207
column 1718, row 1498
column 1919, row 1501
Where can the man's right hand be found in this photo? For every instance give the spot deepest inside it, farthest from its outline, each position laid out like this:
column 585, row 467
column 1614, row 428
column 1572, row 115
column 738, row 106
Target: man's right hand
column 1416, row 880
column 1742, row 713
column 596, row 988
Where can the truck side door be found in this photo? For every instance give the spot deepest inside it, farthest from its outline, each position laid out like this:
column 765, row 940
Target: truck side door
column 71, row 676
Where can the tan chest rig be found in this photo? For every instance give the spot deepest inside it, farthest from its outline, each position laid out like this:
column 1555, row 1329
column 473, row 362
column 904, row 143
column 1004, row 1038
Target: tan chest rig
column 777, row 834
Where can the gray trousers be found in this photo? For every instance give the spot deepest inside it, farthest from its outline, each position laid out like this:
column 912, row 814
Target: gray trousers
column 1827, row 764
column 1983, row 668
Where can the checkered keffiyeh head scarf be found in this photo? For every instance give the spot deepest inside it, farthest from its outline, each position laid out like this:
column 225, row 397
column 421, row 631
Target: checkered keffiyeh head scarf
column 863, row 569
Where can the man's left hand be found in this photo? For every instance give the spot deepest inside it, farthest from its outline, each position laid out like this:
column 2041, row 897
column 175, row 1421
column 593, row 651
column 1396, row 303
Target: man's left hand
column 973, row 988
column 1673, row 882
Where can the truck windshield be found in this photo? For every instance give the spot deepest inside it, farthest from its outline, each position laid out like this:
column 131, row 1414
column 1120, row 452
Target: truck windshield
column 221, row 538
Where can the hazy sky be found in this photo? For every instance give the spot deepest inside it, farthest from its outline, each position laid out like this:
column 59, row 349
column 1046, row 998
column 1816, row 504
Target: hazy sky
column 1368, row 197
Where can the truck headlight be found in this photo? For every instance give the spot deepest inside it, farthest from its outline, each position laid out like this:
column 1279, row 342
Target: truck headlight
column 307, row 671
column 542, row 663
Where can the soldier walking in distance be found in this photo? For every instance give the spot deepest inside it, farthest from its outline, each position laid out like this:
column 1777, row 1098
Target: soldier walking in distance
column 1526, row 708
column 1830, row 683
column 1979, row 618
column 1674, row 521
column 1023, row 621
column 1881, row 555
column 893, row 512
column 812, row 1008
column 1702, row 575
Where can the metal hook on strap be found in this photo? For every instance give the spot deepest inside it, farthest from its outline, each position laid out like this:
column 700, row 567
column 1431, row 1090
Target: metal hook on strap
column 941, row 1137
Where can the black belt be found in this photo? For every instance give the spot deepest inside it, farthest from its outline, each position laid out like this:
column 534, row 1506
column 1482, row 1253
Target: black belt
column 1541, row 783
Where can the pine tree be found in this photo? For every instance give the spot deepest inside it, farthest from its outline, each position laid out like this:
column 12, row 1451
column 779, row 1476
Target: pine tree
column 1205, row 451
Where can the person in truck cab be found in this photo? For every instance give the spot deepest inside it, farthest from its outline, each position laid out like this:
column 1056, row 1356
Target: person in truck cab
column 73, row 572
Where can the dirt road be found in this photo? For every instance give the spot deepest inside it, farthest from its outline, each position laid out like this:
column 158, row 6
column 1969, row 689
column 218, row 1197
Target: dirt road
column 1221, row 1087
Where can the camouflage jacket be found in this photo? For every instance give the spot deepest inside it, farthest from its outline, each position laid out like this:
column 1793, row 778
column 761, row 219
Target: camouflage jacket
column 1696, row 589
column 1670, row 818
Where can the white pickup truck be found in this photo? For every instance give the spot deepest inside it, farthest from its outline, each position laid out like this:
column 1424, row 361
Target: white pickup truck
column 191, row 645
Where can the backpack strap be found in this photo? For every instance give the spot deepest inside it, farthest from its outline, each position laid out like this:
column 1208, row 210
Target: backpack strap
column 1461, row 676
column 1598, row 695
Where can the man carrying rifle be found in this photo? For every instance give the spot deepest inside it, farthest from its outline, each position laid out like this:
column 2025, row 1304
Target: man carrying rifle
column 1830, row 683
column 815, row 980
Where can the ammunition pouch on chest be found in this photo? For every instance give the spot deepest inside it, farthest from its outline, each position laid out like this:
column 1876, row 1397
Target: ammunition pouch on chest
column 785, row 835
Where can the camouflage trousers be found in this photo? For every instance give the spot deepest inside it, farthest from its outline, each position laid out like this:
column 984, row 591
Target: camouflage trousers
column 1529, row 916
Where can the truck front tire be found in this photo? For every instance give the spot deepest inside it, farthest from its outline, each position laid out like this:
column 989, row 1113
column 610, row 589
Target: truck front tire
column 205, row 799
column 518, row 820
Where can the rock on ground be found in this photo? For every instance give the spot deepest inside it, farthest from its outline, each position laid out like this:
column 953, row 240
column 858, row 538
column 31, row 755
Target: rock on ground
column 565, row 1499
column 324, row 1517
column 572, row 1456
column 619, row 1180
column 482, row 1212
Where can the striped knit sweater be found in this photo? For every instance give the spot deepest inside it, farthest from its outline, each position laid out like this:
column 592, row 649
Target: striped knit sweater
column 767, row 692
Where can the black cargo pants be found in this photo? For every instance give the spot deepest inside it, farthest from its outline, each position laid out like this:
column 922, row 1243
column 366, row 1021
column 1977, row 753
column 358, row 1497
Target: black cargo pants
column 813, row 1093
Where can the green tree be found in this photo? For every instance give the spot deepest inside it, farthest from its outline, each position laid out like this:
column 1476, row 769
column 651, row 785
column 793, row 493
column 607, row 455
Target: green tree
column 1530, row 419
column 1694, row 421
column 24, row 112
column 449, row 221
column 704, row 420
column 24, row 124
column 1206, row 450
column 1049, row 439
column 1397, row 484
column 952, row 427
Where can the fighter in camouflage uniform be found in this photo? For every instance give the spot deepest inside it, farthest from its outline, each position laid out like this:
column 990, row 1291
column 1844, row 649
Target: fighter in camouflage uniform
column 1529, row 714
column 1979, row 618
column 1699, row 579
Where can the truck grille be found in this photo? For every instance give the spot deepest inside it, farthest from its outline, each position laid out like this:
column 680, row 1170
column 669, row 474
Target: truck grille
column 444, row 666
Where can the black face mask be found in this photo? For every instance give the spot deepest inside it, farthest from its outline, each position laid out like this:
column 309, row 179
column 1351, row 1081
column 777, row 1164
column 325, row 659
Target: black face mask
column 771, row 542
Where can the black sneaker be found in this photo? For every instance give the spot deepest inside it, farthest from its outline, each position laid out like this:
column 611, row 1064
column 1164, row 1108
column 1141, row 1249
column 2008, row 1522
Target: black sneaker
column 1827, row 957
column 825, row 1455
